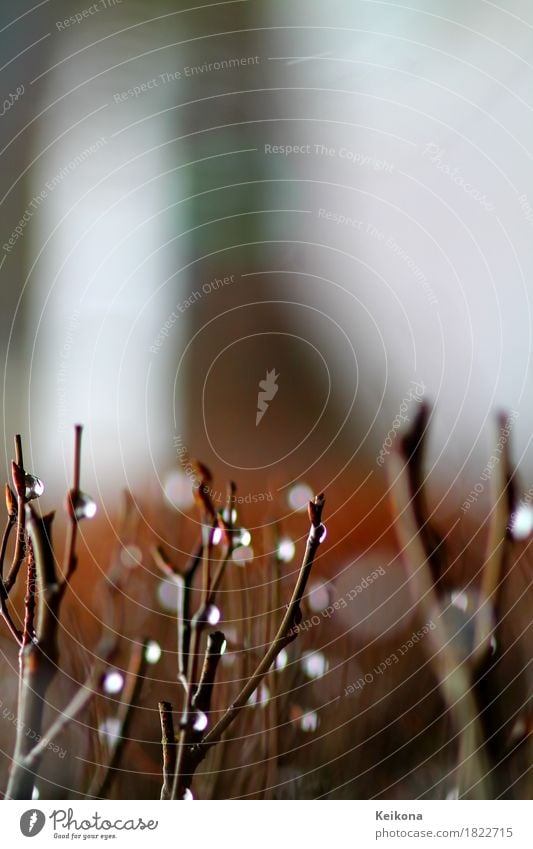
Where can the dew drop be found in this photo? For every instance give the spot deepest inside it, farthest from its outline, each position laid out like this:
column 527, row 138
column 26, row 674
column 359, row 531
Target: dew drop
column 110, row 729
column 460, row 600
column 34, row 487
column 282, row 659
column 309, row 721
column 243, row 555
column 113, row 682
column 244, row 538
column 521, row 523
column 83, row 505
column 152, row 652
column 213, row 614
column 200, row 721
column 319, row 596
column 286, row 550
column 167, row 595
column 315, row 664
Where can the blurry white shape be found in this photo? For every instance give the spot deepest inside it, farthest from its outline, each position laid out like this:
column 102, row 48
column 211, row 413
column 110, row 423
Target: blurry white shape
column 229, row 517
column 200, row 721
column 309, row 721
column 519, row 730
column 282, row 659
column 213, row 614
column 131, row 556
column 318, row 597
column 459, row 600
column 178, row 490
column 84, row 506
column 34, row 487
column 286, row 550
column 260, row 696
column 245, row 537
column 110, row 729
column 223, row 648
column 217, row 536
column 187, row 796
column 35, row 793
column 228, row 659
column 315, row 664
column 242, row 555
column 453, row 793
column 522, row 521
column 493, row 644
column 113, row 682
column 152, row 652
column 167, row 595
column 299, row 497
column 324, row 533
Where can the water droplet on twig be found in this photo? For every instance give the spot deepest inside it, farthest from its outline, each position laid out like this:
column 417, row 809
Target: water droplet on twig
column 81, row 505
column 34, row 487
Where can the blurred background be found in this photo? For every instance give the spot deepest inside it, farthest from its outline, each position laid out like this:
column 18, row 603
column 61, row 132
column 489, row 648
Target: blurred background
column 355, row 175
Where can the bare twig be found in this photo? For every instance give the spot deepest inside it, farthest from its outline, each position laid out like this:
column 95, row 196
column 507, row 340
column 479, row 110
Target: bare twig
column 286, row 632
column 452, row 675
column 39, row 657
column 168, row 741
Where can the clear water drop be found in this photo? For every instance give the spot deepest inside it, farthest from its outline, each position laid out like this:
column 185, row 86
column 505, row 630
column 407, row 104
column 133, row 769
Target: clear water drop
column 243, row 555
column 522, row 521
column 113, row 682
column 200, row 721
column 282, row 659
column 34, row 487
column 315, row 664
column 244, row 538
column 83, row 505
column 167, row 595
column 213, row 614
column 110, row 729
column 309, row 721
column 152, row 652
column 286, row 550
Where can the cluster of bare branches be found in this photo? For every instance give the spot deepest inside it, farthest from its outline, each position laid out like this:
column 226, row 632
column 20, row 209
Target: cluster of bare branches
column 469, row 685
column 199, row 650
column 184, row 751
column 38, row 636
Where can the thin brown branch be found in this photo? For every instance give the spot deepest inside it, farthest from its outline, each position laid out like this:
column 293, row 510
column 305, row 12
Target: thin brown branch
column 19, row 481
column 71, row 559
column 452, row 675
column 39, row 657
column 168, row 742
